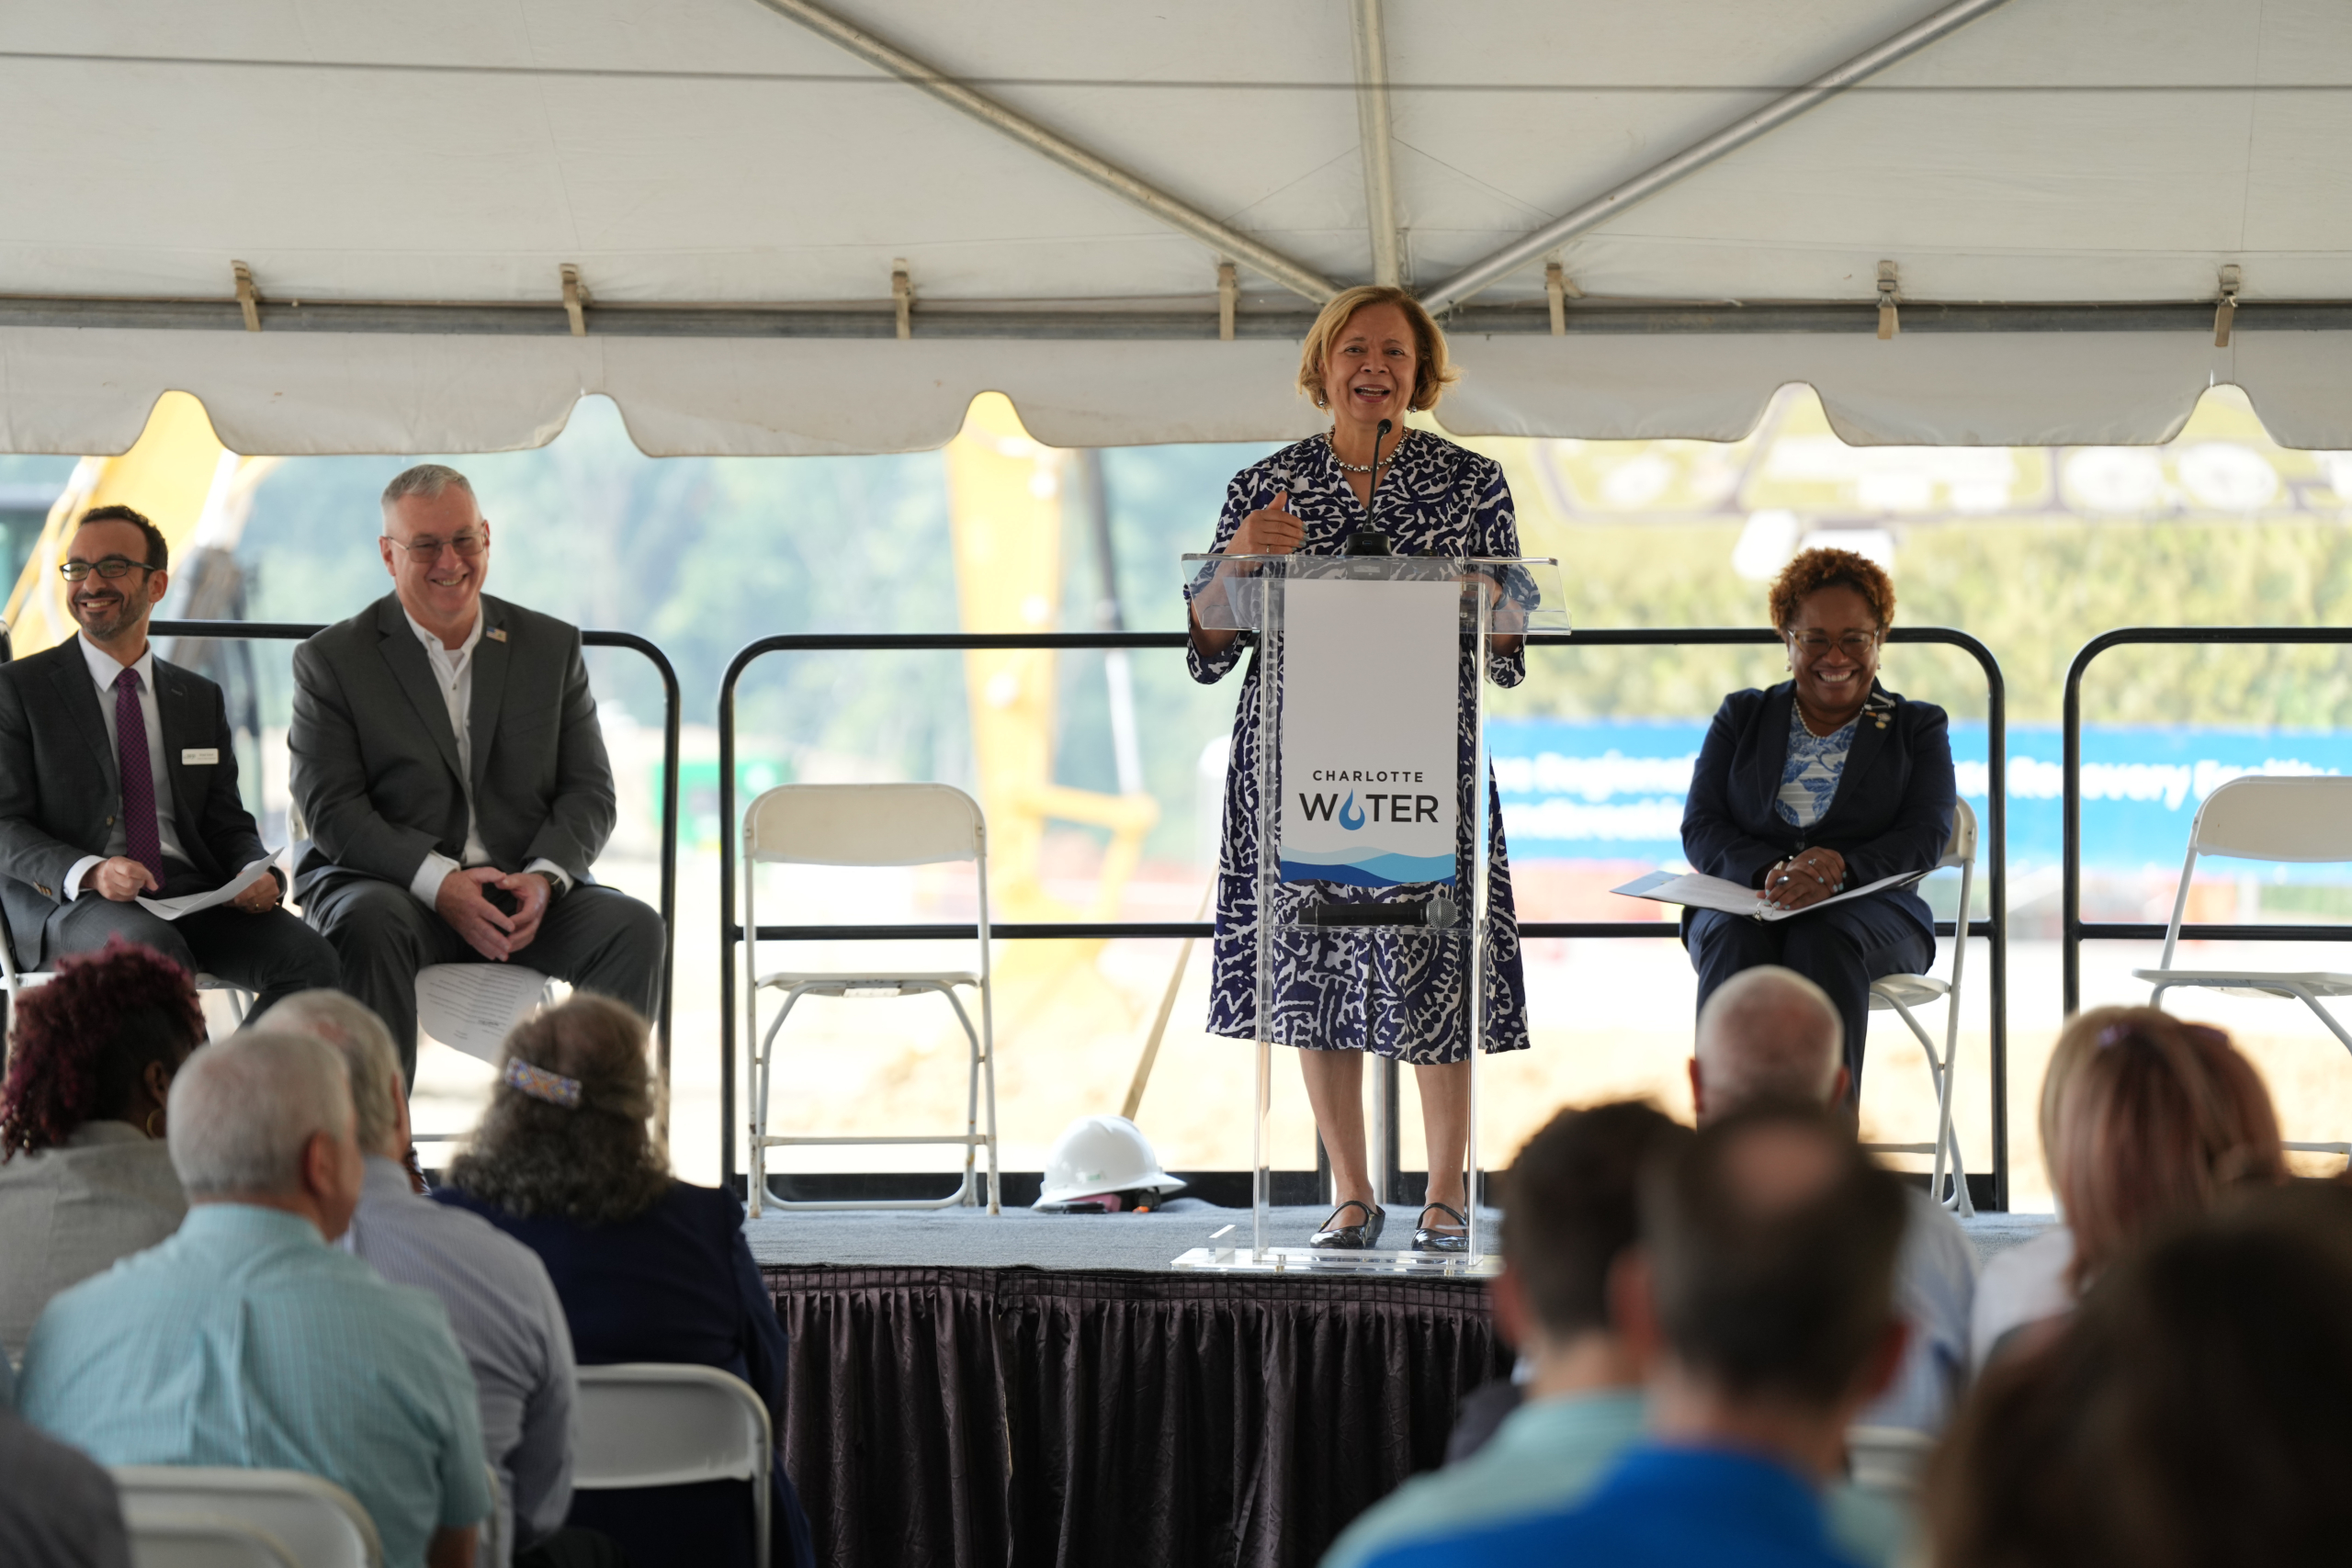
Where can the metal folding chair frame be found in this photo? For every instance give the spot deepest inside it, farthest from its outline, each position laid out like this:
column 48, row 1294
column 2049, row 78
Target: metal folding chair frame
column 1888, row 994
column 798, row 984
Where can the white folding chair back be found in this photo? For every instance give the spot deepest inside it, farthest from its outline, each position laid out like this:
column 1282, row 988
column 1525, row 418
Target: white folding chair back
column 15, row 980
column 491, row 1550
column 2303, row 820
column 315, row 1523
column 2293, row 820
column 661, row 1424
column 216, row 1544
column 1888, row 1460
column 1901, row 993
column 890, row 824
column 870, row 825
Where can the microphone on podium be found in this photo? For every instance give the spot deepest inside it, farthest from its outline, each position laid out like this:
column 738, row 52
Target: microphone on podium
column 1370, row 541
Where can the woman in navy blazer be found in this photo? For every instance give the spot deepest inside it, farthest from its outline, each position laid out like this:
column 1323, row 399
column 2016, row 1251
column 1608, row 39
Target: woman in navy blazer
column 648, row 1268
column 1825, row 782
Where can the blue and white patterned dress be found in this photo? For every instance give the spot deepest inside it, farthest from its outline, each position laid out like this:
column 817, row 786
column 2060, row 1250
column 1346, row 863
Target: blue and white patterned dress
column 1395, row 990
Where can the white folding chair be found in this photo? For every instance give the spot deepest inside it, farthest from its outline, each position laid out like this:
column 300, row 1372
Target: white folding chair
column 15, row 980
column 2295, row 820
column 868, row 825
column 664, row 1423
column 1889, row 1460
column 491, row 1550
column 310, row 1522
column 207, row 1544
column 1901, row 993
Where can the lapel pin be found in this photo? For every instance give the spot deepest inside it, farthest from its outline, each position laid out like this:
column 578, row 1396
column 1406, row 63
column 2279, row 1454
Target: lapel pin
column 498, row 634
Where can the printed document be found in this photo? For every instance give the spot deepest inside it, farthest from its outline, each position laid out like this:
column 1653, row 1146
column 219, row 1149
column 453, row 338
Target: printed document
column 173, row 908
column 1715, row 893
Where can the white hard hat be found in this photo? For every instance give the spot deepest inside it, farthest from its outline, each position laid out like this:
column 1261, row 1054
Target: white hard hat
column 1102, row 1154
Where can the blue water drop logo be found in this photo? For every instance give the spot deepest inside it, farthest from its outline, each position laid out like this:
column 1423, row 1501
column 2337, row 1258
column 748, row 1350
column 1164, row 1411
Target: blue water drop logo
column 1350, row 817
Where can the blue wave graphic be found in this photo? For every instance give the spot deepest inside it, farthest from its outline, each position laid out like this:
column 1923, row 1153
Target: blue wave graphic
column 1377, row 871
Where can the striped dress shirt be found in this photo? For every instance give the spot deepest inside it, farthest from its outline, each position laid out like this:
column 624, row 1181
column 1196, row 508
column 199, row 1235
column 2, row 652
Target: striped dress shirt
column 509, row 1322
column 247, row 1341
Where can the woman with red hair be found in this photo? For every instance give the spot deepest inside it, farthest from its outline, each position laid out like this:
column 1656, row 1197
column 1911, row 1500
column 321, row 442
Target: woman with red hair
column 85, row 1177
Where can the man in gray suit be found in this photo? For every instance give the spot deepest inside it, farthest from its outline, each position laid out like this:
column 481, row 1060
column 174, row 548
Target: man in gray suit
column 118, row 781
column 448, row 765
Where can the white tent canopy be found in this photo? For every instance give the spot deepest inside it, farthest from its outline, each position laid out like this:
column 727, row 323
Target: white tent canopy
column 2059, row 184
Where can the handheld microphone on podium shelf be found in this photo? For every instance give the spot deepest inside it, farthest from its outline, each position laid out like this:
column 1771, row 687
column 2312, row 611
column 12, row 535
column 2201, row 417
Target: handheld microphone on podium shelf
column 1368, row 540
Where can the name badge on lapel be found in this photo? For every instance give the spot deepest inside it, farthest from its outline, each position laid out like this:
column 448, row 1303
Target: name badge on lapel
column 200, row 756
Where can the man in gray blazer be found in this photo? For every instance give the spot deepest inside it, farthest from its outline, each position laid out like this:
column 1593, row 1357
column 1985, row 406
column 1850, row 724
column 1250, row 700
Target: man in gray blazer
column 449, row 769
column 118, row 781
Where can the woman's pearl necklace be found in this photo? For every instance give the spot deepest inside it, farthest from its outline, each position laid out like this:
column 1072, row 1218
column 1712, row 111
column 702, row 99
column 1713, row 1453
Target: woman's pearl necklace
column 1817, row 734
column 1363, row 467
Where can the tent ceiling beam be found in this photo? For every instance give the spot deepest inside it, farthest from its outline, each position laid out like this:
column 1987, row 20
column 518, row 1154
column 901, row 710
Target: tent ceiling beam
column 1451, row 294
column 1377, row 130
column 1081, row 323
column 1222, row 238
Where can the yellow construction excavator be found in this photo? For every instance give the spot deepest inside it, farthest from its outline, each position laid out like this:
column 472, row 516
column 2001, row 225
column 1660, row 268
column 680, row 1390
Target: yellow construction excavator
column 179, row 476
column 1005, row 504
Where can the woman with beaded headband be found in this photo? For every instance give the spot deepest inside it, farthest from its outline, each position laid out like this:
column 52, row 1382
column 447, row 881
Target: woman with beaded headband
column 648, row 1268
column 1339, row 992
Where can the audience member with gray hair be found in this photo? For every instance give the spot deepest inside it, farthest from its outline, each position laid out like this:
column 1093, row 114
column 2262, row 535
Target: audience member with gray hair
column 503, row 1307
column 1769, row 1033
column 245, row 1341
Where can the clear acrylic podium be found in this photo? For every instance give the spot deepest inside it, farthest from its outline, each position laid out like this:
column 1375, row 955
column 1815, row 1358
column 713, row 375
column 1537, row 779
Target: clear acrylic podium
column 1360, row 785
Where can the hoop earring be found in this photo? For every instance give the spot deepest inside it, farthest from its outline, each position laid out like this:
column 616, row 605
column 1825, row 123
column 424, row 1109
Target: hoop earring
column 148, row 1126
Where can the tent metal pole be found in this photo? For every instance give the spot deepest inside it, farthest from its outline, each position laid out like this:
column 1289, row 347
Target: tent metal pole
column 1168, row 210
column 1376, row 128
column 1697, row 156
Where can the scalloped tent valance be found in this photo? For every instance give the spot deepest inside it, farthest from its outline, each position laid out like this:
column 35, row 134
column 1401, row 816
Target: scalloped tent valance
column 734, row 183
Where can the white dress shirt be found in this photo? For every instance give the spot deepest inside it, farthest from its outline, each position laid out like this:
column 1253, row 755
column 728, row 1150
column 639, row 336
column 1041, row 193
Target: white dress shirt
column 103, row 671
column 453, row 672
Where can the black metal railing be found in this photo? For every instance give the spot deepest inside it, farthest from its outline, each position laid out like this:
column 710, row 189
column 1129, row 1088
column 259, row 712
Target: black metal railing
column 2073, row 929
column 672, row 705
column 1996, row 928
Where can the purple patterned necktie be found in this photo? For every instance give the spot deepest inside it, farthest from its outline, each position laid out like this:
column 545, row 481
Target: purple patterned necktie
column 138, row 777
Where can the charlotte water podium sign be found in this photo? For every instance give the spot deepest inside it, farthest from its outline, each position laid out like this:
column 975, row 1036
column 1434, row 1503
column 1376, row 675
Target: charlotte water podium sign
column 1369, row 744
column 1363, row 776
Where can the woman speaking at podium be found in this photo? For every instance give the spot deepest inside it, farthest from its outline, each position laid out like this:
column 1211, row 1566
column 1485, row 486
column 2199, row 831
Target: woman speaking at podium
column 1341, row 990
column 1826, row 781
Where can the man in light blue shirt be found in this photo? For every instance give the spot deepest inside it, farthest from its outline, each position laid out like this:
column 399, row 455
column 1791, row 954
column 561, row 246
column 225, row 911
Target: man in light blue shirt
column 247, row 1341
column 1763, row 1294
column 503, row 1307
column 1569, row 1215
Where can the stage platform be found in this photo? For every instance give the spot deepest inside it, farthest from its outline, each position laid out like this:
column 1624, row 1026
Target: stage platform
column 1045, row 1389
column 1022, row 1238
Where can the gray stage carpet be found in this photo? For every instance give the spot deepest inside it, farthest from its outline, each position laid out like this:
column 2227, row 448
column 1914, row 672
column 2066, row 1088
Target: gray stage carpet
column 1020, row 1239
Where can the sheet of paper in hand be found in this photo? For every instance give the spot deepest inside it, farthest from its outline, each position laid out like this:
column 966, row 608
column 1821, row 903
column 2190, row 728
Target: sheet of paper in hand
column 1714, row 893
column 173, row 908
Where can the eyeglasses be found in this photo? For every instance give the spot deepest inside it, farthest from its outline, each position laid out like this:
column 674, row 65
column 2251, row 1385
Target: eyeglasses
column 109, row 568
column 467, row 547
column 1854, row 645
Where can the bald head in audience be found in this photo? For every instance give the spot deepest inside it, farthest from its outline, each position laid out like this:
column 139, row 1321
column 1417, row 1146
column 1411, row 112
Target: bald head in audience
column 1766, row 1033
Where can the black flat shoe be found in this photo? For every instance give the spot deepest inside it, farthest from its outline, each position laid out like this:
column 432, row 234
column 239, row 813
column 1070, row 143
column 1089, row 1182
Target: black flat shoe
column 1442, row 1239
column 1357, row 1237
